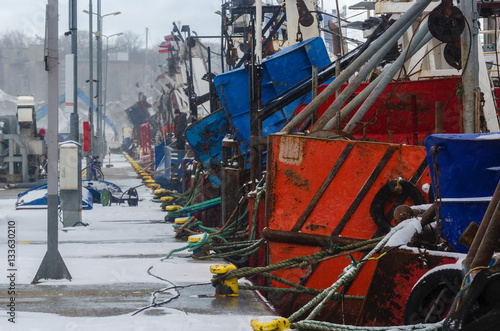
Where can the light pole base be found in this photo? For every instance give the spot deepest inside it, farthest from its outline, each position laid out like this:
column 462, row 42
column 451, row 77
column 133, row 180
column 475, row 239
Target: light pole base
column 52, row 267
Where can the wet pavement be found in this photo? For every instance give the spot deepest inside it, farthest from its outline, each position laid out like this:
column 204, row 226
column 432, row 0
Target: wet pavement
column 157, row 298
column 119, row 299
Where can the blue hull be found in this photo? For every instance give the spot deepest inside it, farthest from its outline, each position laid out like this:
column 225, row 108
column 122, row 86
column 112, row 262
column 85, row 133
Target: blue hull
column 469, row 173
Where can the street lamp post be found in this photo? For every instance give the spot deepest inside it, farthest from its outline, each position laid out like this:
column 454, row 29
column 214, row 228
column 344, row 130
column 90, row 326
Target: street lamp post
column 91, row 90
column 99, row 133
column 106, row 82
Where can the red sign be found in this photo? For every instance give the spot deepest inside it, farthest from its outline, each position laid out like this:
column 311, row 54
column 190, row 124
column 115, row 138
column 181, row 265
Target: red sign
column 86, row 136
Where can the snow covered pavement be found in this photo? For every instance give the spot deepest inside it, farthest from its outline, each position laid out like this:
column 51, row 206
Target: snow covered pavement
column 116, row 270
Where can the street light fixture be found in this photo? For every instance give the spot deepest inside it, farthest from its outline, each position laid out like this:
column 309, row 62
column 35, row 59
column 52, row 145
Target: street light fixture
column 115, row 13
column 106, row 82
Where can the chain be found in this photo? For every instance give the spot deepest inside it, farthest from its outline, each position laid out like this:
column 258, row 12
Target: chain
column 299, row 38
column 442, row 239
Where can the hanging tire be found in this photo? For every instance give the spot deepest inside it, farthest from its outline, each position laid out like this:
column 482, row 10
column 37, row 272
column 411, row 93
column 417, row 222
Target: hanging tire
column 432, row 297
column 379, row 201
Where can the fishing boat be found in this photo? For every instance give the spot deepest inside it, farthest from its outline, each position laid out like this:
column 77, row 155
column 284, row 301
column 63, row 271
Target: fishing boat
column 351, row 197
column 336, row 161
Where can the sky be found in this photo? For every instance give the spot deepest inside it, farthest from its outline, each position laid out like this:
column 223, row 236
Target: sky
column 136, row 16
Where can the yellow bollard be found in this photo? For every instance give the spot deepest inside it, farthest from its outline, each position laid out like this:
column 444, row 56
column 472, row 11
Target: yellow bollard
column 278, row 324
column 181, row 220
column 198, row 252
column 228, row 287
column 172, row 208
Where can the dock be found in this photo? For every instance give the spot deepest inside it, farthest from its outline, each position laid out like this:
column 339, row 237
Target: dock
column 118, row 279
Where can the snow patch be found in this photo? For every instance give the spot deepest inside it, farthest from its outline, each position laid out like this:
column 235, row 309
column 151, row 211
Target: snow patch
column 173, row 320
column 491, row 136
column 405, row 232
column 468, row 199
column 426, row 188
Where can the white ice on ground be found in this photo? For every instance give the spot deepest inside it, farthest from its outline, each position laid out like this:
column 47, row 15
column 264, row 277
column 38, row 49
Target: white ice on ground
column 119, row 246
column 174, row 320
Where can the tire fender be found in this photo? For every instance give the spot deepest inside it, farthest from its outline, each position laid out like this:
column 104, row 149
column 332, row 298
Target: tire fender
column 380, row 199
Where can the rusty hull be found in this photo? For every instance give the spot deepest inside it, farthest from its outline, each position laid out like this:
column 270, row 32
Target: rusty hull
column 391, row 284
column 321, row 189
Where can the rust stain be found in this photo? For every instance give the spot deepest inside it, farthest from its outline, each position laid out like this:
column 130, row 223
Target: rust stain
column 296, row 179
column 314, row 227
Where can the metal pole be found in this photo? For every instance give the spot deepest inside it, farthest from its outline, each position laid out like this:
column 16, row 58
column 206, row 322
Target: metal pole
column 387, row 74
column 387, row 77
column 71, row 200
column 258, row 32
column 314, row 90
column 192, row 107
column 373, row 61
column 146, row 60
column 99, row 79
column 339, row 22
column 469, row 64
column 210, row 81
column 223, row 19
column 254, row 131
column 105, row 96
column 392, row 34
column 74, row 129
column 495, row 199
column 105, row 90
column 52, row 266
column 489, row 240
column 91, row 87
column 75, row 121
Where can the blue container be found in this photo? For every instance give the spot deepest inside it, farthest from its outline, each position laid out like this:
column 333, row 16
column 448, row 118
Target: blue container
column 469, row 173
column 205, row 138
column 282, row 70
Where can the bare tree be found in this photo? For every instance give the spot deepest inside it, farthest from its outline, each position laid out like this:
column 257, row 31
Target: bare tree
column 82, row 44
column 132, row 43
column 15, row 39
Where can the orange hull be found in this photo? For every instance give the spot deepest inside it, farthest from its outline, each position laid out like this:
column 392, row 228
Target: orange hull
column 320, row 190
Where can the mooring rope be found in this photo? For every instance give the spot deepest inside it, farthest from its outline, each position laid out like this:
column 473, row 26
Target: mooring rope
column 326, row 326
column 251, row 271
column 350, row 273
